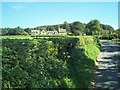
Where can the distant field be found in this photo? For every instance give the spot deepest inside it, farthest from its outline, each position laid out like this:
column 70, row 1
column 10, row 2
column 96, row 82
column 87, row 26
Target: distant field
column 42, row 36
column 16, row 37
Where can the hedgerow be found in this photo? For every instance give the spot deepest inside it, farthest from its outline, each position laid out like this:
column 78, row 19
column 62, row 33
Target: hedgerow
column 54, row 62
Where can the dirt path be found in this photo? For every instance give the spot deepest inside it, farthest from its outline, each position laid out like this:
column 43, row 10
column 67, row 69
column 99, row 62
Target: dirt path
column 107, row 75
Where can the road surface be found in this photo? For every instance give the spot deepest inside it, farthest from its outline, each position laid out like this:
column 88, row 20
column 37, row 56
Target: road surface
column 107, row 74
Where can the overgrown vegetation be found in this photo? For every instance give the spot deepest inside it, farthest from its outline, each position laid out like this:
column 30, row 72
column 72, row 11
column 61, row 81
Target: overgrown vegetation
column 54, row 62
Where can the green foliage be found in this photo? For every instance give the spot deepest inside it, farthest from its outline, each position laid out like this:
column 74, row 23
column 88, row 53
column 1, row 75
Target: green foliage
column 31, row 63
column 28, row 30
column 54, row 62
column 94, row 26
column 77, row 28
column 16, row 37
column 68, row 83
column 77, row 33
column 97, row 41
column 116, row 33
column 66, row 26
column 50, row 28
column 107, row 27
column 108, row 37
column 14, row 31
column 83, row 57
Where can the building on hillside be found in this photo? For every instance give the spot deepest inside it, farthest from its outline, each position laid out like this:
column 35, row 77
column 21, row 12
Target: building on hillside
column 43, row 32
column 35, row 32
column 52, row 32
column 62, row 31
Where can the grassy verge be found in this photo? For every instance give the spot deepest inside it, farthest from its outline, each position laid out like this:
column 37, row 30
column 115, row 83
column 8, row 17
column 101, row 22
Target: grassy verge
column 117, row 41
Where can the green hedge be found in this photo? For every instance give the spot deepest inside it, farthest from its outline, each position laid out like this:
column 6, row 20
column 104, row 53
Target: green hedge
column 64, row 62
column 108, row 37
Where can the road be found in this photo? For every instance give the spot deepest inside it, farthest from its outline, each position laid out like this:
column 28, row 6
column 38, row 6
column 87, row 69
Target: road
column 107, row 73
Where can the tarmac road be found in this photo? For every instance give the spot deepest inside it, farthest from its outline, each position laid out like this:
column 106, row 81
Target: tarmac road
column 107, row 74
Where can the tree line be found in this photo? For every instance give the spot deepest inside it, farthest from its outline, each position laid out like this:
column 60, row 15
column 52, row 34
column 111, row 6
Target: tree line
column 74, row 28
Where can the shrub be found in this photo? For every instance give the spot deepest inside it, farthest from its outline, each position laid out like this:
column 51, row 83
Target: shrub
column 53, row 62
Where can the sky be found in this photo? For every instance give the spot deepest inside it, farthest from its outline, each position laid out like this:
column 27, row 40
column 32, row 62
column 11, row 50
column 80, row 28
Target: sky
column 33, row 14
column 60, row 0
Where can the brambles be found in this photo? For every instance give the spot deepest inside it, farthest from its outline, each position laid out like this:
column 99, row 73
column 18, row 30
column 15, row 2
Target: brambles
column 54, row 62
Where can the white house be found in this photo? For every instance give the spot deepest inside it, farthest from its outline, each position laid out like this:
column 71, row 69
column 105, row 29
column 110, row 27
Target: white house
column 35, row 32
column 43, row 32
column 52, row 32
column 62, row 31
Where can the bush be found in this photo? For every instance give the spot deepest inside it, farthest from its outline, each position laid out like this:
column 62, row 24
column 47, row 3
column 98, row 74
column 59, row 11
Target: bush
column 110, row 37
column 53, row 62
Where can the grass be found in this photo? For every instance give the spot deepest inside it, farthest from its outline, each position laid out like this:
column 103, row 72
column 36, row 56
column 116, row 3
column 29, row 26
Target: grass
column 117, row 41
column 16, row 37
column 31, row 37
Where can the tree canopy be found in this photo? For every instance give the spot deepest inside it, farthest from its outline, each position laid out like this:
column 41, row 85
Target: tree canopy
column 94, row 26
column 75, row 28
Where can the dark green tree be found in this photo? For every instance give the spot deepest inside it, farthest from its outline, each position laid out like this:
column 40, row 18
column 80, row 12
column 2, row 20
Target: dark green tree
column 28, row 30
column 77, row 26
column 94, row 26
column 5, row 31
column 116, row 33
column 19, row 31
column 66, row 26
column 50, row 28
column 107, row 27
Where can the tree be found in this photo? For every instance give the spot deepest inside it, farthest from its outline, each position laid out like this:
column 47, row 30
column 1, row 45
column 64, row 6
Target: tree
column 28, row 30
column 19, row 31
column 94, row 26
column 66, row 26
column 50, row 28
column 107, row 27
column 77, row 26
column 77, row 33
column 57, row 27
column 5, row 31
column 13, row 31
column 117, row 33
column 87, row 31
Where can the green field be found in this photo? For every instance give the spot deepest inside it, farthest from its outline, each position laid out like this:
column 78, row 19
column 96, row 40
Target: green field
column 42, row 36
column 15, row 37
